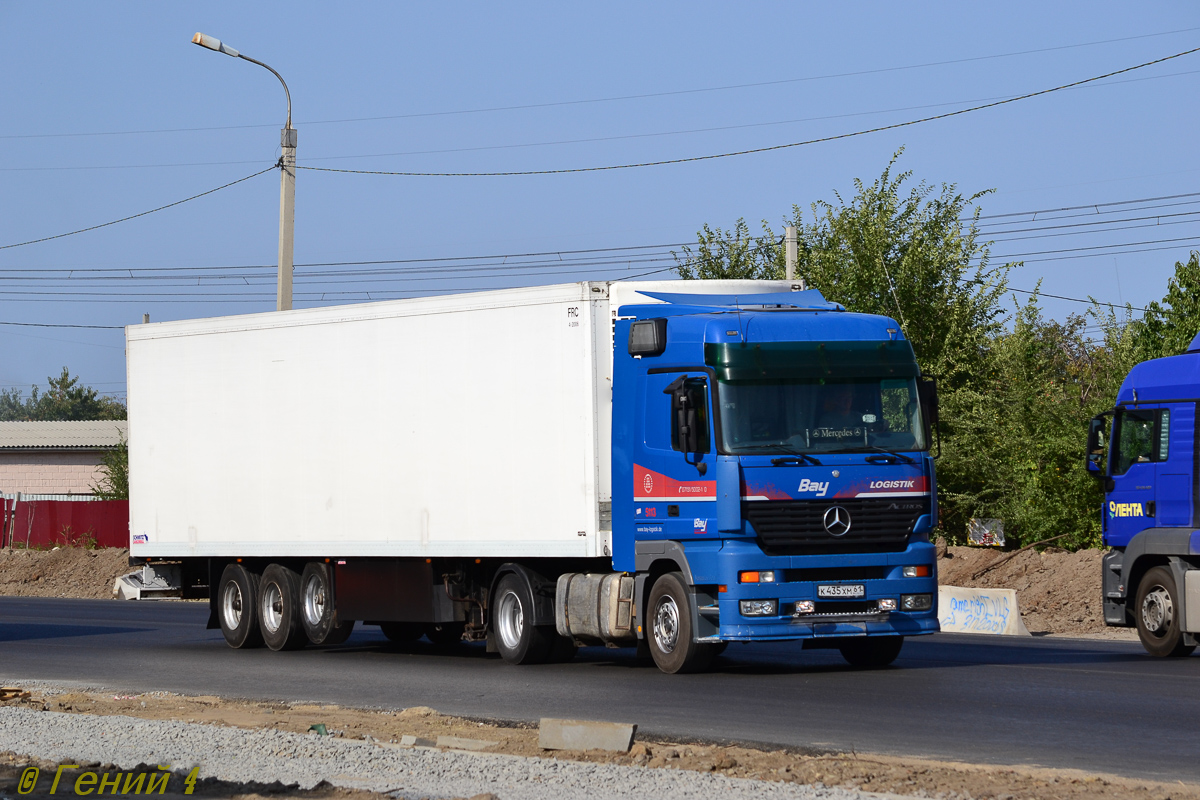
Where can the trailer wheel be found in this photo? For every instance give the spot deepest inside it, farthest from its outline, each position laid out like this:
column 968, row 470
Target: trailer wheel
column 321, row 623
column 871, row 651
column 517, row 638
column 1157, row 615
column 670, row 634
column 279, row 614
column 237, row 607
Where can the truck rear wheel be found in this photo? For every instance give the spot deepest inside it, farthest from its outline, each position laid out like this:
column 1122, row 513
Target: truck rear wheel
column 871, row 651
column 517, row 638
column 321, row 623
column 1157, row 615
column 279, row 611
column 237, row 607
column 670, row 628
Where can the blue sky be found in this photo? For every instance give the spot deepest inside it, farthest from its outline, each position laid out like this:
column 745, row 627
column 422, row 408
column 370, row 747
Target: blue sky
column 165, row 120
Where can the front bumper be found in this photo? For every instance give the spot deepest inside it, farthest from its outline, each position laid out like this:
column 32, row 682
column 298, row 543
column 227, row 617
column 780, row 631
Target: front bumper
column 835, row 620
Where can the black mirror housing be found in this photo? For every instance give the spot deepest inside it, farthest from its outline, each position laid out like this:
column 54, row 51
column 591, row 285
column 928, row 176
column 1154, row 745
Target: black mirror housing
column 1096, row 454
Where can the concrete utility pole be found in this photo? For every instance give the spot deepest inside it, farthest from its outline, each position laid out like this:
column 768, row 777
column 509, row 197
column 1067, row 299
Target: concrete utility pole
column 287, row 178
column 789, row 250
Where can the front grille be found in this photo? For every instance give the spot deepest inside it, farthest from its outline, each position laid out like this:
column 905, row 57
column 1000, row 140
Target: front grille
column 841, row 608
column 797, row 527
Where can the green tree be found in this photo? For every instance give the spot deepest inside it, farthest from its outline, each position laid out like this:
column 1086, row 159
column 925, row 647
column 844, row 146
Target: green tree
column 1168, row 327
column 907, row 252
column 114, row 473
column 64, row 399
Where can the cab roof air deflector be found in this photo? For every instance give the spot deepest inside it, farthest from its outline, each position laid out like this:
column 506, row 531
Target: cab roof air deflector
column 809, row 299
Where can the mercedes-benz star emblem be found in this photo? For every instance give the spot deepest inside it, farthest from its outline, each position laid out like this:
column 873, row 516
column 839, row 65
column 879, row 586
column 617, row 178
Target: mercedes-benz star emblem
column 837, row 521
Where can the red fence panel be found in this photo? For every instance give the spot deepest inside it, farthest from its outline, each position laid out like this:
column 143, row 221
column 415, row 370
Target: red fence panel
column 47, row 523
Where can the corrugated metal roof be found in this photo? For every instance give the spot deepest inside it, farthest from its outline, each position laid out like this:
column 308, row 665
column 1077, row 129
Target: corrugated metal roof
column 57, row 435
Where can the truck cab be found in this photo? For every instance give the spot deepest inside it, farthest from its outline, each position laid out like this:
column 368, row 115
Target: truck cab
column 772, row 476
column 1145, row 453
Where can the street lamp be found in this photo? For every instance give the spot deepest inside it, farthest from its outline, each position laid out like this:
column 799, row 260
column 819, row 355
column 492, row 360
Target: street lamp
column 287, row 178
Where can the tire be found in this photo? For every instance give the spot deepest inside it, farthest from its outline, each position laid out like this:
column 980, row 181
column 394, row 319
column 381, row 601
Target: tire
column 319, row 615
column 669, row 633
column 872, row 651
column 279, row 613
column 1157, row 615
column 517, row 638
column 237, row 607
column 402, row 632
column 444, row 634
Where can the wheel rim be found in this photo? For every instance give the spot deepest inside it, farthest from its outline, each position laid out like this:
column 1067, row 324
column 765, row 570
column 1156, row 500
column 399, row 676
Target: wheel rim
column 231, row 605
column 1158, row 612
column 272, row 607
column 666, row 624
column 314, row 600
column 510, row 620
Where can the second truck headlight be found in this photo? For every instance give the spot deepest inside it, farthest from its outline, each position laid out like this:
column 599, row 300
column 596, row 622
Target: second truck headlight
column 758, row 608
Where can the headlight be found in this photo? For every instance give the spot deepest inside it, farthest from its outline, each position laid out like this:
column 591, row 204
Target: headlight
column 805, row 607
column 757, row 576
column 916, row 602
column 921, row 571
column 758, row 608
column 886, row 604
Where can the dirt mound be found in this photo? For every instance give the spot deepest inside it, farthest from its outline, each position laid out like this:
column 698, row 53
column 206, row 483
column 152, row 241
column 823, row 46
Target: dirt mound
column 1057, row 591
column 62, row 572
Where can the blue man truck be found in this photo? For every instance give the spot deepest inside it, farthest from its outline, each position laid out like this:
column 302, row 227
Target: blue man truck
column 1146, row 452
column 672, row 465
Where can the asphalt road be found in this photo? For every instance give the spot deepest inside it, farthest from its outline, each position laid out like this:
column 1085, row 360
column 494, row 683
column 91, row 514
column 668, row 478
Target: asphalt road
column 1095, row 705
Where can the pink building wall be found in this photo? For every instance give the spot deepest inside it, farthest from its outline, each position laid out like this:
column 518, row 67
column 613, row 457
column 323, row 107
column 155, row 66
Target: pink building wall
column 63, row 472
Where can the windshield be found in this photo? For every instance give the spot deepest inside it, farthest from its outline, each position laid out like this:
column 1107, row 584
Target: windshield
column 818, row 397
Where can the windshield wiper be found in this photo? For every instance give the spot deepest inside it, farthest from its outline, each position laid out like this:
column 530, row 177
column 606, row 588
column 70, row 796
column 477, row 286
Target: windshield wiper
column 883, row 450
column 794, row 455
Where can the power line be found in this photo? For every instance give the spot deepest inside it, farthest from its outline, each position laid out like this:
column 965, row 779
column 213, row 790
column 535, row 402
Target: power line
column 1089, row 205
column 60, row 325
column 770, row 148
column 559, row 142
column 619, row 98
column 1089, row 301
column 142, row 214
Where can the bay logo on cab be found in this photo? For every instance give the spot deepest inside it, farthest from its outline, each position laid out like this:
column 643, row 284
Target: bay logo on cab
column 814, row 486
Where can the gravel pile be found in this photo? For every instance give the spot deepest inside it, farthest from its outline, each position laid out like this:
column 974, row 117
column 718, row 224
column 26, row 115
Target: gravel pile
column 235, row 754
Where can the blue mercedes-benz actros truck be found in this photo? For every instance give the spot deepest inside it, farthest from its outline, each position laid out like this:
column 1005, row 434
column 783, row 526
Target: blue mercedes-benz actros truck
column 673, row 465
column 1146, row 451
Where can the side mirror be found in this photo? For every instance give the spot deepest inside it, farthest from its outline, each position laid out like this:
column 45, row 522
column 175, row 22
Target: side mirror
column 927, row 393
column 689, row 418
column 1097, row 446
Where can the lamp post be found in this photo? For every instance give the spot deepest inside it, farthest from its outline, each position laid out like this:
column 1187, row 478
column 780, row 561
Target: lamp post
column 287, row 178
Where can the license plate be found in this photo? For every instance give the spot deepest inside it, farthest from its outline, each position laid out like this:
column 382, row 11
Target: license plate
column 842, row 590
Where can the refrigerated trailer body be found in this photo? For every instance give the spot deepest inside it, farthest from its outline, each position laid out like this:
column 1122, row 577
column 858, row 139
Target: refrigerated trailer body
column 446, row 466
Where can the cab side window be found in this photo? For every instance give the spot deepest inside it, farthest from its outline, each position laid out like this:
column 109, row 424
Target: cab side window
column 1141, row 436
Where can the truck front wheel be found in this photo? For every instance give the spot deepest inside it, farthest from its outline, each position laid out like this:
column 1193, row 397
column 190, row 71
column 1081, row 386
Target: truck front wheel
column 517, row 638
column 1157, row 614
column 670, row 628
column 237, row 607
column 279, row 614
column 321, row 623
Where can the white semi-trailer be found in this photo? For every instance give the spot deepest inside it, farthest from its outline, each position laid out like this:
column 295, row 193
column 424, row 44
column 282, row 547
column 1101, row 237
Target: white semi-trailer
column 445, row 466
